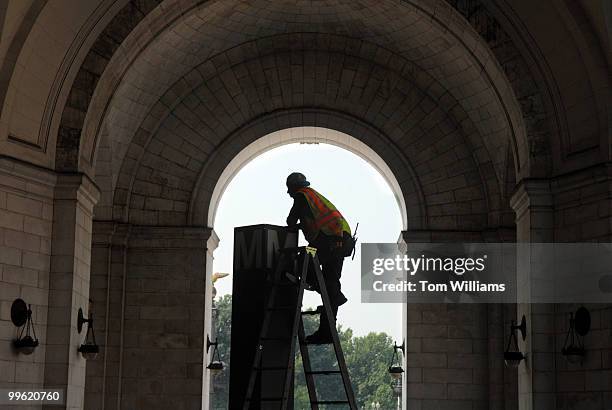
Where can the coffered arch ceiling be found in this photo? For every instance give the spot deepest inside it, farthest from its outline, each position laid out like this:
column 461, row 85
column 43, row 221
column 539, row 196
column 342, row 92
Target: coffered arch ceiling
column 151, row 60
column 223, row 66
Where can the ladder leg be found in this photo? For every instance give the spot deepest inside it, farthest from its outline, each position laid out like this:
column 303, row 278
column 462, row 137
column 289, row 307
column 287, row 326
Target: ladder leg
column 348, row 388
column 296, row 326
column 310, row 384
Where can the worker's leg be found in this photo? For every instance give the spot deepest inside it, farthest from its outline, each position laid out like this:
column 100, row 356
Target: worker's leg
column 332, row 270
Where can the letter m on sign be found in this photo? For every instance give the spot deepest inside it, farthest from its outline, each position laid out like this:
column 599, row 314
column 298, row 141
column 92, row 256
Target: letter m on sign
column 248, row 254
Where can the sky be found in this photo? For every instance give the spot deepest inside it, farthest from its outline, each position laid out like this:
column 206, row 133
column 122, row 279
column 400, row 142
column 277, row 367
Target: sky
column 258, row 195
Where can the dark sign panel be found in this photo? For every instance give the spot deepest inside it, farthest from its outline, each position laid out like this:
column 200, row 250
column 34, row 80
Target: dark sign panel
column 256, row 251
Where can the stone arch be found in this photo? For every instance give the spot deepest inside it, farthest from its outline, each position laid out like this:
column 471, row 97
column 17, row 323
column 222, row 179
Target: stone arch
column 204, row 203
column 149, row 144
column 399, row 43
column 118, row 27
column 547, row 129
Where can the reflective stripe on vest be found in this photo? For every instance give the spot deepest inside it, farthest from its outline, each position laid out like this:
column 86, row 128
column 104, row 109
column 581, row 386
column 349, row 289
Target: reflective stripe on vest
column 326, row 217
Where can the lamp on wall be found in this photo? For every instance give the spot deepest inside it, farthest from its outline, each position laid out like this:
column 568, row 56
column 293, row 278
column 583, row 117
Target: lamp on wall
column 89, row 349
column 21, row 316
column 580, row 324
column 513, row 356
column 395, row 366
column 216, row 365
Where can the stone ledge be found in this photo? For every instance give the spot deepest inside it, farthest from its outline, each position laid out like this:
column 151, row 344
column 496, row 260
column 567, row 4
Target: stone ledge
column 27, row 178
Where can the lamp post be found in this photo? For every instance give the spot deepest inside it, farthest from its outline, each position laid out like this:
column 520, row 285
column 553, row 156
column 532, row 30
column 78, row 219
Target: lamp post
column 395, row 366
column 396, row 371
column 21, row 315
column 580, row 323
column 89, row 349
column 513, row 356
column 215, row 366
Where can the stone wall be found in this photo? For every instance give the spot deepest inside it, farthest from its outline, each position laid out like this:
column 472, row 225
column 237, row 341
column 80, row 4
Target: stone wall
column 454, row 352
column 26, row 215
column 45, row 231
column 148, row 285
column 568, row 208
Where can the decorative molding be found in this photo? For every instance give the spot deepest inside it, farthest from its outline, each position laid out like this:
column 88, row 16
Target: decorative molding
column 51, row 113
column 79, row 187
column 532, row 194
column 36, row 146
column 300, row 117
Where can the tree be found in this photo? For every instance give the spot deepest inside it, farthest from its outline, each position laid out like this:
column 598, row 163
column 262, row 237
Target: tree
column 367, row 358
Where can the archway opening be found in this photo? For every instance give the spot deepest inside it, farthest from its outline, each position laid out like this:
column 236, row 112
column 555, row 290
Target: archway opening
column 252, row 191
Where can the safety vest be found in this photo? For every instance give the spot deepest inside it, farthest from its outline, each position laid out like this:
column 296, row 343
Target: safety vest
column 325, row 217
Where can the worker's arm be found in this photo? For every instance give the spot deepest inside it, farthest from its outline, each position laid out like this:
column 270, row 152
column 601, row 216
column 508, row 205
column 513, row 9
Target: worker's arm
column 298, row 210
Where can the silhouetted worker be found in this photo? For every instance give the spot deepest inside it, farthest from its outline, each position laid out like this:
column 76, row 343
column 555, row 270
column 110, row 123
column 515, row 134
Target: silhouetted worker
column 325, row 229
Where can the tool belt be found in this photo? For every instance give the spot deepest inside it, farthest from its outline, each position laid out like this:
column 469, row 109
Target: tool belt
column 343, row 245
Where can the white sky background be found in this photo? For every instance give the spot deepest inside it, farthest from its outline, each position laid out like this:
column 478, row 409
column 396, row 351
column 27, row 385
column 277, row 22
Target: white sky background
column 258, row 195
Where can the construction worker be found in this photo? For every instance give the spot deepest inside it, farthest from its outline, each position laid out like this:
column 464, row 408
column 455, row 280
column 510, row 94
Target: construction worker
column 324, row 228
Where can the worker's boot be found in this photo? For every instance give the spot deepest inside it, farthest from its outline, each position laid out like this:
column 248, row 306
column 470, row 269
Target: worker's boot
column 319, row 337
column 323, row 334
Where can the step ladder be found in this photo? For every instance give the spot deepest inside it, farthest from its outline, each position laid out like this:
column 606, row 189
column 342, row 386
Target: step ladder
column 280, row 394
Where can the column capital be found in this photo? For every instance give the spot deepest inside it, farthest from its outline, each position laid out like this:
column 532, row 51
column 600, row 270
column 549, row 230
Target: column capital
column 531, row 194
column 77, row 186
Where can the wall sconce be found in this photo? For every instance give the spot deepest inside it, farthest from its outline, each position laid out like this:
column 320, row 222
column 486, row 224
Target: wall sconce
column 89, row 349
column 580, row 324
column 395, row 366
column 215, row 366
column 514, row 357
column 21, row 316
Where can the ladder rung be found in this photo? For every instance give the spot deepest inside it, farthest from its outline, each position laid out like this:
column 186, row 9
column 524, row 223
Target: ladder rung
column 324, row 372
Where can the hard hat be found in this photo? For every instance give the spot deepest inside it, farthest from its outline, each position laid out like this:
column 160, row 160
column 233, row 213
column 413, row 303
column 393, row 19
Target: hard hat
column 297, row 180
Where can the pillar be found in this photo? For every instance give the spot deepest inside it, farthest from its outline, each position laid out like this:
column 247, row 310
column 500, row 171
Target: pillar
column 454, row 352
column 151, row 288
column 533, row 205
column 74, row 199
column 109, row 257
column 211, row 245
